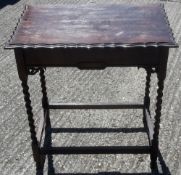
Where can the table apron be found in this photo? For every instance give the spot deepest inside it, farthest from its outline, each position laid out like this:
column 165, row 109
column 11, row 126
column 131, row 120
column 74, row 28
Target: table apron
column 91, row 58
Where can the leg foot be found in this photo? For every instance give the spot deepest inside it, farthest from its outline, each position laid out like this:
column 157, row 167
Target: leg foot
column 38, row 157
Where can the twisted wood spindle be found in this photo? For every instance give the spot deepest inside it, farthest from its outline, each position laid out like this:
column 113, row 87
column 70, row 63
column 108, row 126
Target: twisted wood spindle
column 44, row 98
column 39, row 159
column 147, row 89
column 44, row 91
column 29, row 112
column 147, row 98
column 155, row 142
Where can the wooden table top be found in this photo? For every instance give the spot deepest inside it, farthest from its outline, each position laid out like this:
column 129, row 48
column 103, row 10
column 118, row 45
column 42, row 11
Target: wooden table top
column 50, row 26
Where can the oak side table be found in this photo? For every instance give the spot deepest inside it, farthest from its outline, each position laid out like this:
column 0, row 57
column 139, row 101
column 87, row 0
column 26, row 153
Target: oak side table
column 92, row 37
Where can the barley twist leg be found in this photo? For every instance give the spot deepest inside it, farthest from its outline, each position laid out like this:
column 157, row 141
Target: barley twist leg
column 36, row 151
column 155, row 142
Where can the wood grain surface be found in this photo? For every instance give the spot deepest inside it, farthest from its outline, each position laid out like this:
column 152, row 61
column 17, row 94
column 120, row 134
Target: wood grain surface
column 72, row 85
column 94, row 24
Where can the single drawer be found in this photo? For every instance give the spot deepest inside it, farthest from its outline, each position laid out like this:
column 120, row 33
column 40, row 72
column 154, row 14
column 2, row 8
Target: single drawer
column 91, row 58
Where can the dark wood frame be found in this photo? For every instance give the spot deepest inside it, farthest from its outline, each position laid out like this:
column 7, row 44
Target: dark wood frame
column 156, row 65
column 33, row 56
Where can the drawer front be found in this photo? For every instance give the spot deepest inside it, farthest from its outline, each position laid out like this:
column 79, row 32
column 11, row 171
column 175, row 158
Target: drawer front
column 91, row 58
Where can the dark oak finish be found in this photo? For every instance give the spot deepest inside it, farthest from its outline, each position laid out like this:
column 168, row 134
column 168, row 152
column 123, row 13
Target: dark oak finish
column 92, row 37
column 91, row 58
column 98, row 150
column 85, row 25
column 54, row 105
